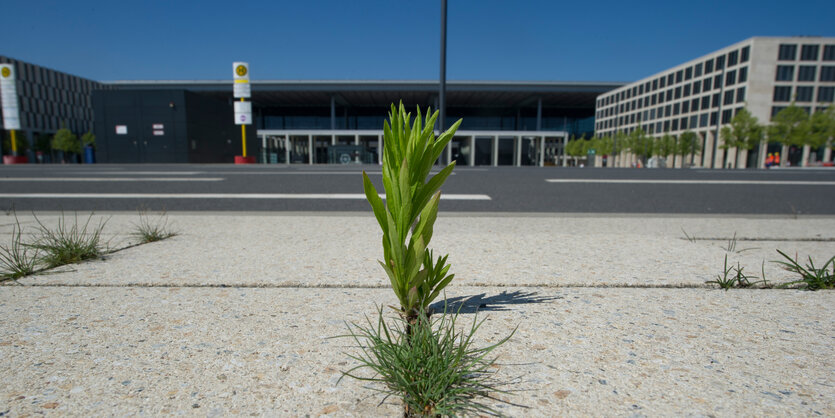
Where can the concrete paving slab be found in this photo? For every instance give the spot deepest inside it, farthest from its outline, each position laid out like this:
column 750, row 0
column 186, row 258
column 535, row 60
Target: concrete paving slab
column 334, row 250
column 577, row 351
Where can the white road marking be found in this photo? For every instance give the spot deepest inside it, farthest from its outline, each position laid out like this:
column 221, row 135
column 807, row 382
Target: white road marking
column 105, row 179
column 723, row 182
column 137, row 173
column 337, row 196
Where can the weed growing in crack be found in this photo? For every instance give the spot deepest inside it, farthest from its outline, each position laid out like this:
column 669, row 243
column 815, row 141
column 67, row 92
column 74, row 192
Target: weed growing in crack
column 18, row 259
column 69, row 243
column 735, row 277
column 812, row 277
column 150, row 229
column 434, row 368
column 689, row 238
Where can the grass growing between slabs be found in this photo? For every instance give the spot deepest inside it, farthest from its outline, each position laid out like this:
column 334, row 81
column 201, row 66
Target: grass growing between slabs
column 69, row 242
column 430, row 363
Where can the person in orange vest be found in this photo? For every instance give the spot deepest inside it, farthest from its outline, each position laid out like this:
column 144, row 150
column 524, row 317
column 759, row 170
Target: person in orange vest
column 769, row 161
column 777, row 158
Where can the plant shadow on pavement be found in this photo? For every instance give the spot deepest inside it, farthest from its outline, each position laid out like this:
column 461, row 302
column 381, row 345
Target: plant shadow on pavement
column 482, row 303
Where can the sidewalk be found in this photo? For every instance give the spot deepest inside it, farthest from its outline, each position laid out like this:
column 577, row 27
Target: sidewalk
column 234, row 316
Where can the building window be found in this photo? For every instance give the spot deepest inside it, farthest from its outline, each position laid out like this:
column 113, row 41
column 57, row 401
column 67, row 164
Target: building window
column 787, row 52
column 685, row 106
column 829, row 52
column 733, row 56
column 744, row 55
column 717, row 82
column 675, row 124
column 715, row 100
column 703, row 120
column 806, row 73
column 708, row 84
column 662, row 83
column 697, row 70
column 743, row 74
column 729, row 97
column 713, row 118
column 809, row 53
column 654, row 100
column 695, row 104
column 785, row 73
column 688, row 73
column 676, row 108
column 826, row 94
column 686, row 90
column 654, row 84
column 730, row 78
column 804, row 94
column 720, row 62
column 667, row 126
column 740, row 95
column 693, row 120
column 726, row 116
column 661, row 97
column 670, row 79
column 678, row 92
column 667, row 111
column 683, row 123
column 708, row 66
column 782, row 93
column 827, row 73
column 669, row 95
column 697, row 87
column 679, row 76
column 646, row 101
column 705, row 102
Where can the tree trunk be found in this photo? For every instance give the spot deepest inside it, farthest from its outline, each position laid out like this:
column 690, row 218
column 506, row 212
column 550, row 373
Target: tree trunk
column 761, row 154
column 827, row 152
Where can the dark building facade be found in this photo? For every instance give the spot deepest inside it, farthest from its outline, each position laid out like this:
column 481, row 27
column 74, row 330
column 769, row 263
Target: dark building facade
column 49, row 100
column 164, row 126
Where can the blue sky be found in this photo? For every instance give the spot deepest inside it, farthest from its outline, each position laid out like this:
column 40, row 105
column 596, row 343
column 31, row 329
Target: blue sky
column 390, row 40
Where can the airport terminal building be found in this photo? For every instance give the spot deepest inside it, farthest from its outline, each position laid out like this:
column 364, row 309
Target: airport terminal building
column 764, row 74
column 304, row 122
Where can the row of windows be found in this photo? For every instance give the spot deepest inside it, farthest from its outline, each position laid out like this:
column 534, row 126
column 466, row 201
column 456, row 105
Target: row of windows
column 41, row 92
column 707, row 102
column 805, row 73
column 43, row 122
column 714, row 64
column 56, row 109
column 788, row 52
column 808, row 109
column 803, row 93
column 36, row 74
column 690, row 122
column 731, row 78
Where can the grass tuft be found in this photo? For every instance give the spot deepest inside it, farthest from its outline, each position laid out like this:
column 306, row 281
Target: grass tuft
column 735, row 277
column 812, row 278
column 152, row 229
column 18, row 259
column 69, row 243
column 434, row 368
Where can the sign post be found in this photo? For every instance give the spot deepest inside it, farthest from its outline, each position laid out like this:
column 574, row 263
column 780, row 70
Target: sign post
column 243, row 109
column 11, row 116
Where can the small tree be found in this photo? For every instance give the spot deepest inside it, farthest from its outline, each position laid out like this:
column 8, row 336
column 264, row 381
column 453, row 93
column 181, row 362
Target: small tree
column 664, row 145
column 688, row 143
column 66, row 141
column 789, row 127
column 640, row 144
column 822, row 130
column 744, row 132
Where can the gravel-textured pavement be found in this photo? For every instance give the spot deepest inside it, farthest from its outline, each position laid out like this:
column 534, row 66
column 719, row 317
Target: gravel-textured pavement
column 234, row 317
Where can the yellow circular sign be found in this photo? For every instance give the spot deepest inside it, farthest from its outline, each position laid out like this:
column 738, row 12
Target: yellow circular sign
column 240, row 70
column 6, row 71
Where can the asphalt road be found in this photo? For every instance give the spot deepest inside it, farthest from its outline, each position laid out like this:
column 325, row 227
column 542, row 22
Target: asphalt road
column 338, row 188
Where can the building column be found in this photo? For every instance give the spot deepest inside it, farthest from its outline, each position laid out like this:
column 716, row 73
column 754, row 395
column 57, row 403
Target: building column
column 827, row 152
column 448, row 152
column 741, row 158
column 707, row 150
column 310, row 149
column 333, row 139
column 356, row 139
column 380, row 149
column 804, row 162
column 518, row 156
column 762, row 154
column 471, row 159
column 287, row 145
column 333, row 112
column 784, row 155
column 495, row 151
column 539, row 114
column 542, row 151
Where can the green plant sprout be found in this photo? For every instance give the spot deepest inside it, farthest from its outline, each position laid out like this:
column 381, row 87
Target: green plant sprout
column 18, row 259
column 408, row 215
